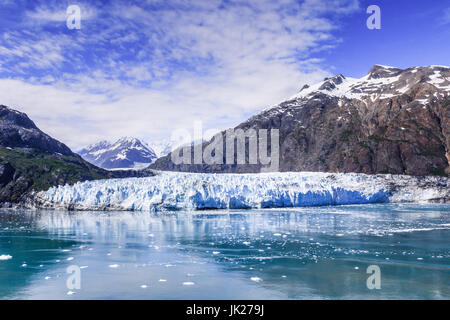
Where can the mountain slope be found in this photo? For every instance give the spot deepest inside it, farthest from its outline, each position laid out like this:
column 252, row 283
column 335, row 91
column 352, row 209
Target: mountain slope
column 389, row 121
column 162, row 148
column 17, row 130
column 124, row 153
column 31, row 160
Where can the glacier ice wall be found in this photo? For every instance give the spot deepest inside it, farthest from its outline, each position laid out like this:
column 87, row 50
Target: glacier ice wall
column 196, row 191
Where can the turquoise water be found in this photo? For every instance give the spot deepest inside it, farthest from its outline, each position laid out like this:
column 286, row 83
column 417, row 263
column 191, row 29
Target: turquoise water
column 304, row 253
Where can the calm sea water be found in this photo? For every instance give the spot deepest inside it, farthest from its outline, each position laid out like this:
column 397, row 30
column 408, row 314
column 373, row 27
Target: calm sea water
column 307, row 253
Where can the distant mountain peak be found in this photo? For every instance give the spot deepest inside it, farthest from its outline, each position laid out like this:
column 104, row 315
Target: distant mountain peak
column 382, row 67
column 127, row 139
column 97, row 145
column 126, row 152
column 163, row 147
column 379, row 71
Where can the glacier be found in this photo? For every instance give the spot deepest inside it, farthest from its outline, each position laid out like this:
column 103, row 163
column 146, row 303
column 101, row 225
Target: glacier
column 168, row 191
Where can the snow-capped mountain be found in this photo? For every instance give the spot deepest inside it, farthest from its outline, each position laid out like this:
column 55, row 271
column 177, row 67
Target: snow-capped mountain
column 124, row 153
column 382, row 82
column 389, row 121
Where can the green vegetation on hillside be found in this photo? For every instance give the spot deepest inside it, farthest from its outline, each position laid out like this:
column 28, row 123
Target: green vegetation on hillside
column 36, row 170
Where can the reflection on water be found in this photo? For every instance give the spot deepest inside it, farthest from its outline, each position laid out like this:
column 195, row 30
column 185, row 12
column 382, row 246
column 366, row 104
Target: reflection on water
column 259, row 254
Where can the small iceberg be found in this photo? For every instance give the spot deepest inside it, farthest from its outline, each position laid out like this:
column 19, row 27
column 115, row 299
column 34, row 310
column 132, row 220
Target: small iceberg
column 4, row 257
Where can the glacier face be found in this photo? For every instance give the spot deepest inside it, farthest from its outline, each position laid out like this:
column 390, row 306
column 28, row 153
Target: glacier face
column 197, row 191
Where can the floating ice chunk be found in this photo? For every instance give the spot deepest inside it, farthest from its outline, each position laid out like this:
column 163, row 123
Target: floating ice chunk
column 256, row 279
column 113, row 266
column 4, row 257
column 188, row 283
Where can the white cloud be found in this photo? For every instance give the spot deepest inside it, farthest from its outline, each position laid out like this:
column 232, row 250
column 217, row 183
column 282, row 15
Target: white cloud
column 50, row 14
column 230, row 62
column 446, row 17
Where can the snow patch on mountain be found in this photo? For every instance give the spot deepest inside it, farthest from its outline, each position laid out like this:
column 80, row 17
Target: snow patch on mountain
column 162, row 148
column 380, row 83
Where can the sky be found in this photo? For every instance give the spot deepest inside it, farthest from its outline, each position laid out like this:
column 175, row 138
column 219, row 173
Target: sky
column 148, row 68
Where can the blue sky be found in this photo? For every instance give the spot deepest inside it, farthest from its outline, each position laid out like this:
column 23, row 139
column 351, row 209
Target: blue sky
column 147, row 68
column 413, row 33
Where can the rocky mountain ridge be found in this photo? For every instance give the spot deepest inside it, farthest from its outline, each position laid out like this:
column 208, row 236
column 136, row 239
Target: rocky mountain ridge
column 390, row 121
